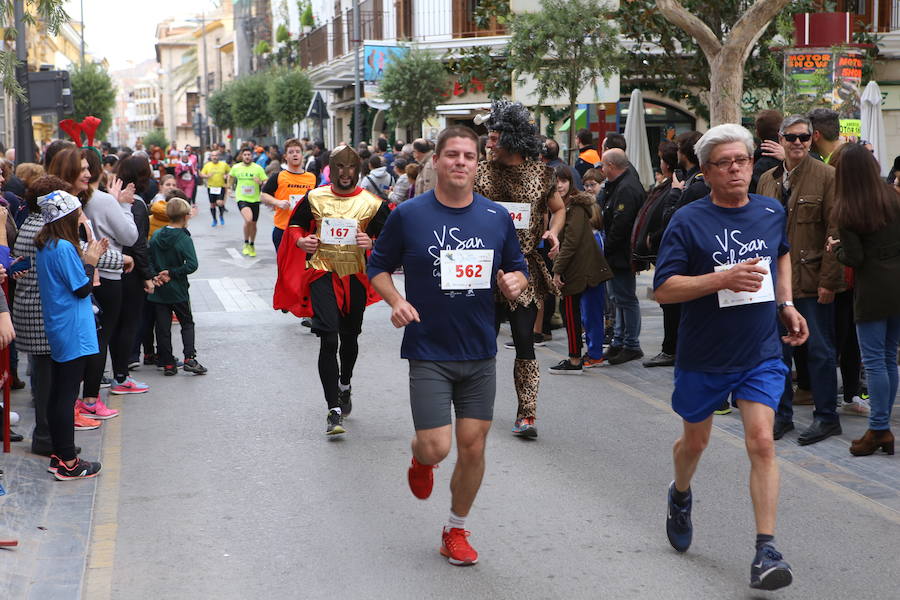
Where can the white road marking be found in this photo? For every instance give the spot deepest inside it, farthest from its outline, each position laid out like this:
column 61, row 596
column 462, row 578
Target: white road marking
column 236, row 296
column 239, row 260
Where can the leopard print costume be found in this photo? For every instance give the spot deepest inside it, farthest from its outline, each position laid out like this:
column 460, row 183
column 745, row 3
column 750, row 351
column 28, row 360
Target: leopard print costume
column 532, row 182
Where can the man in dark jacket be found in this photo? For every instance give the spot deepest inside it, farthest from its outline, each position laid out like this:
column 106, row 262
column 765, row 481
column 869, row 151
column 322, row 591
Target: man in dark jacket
column 624, row 197
column 692, row 186
column 550, row 157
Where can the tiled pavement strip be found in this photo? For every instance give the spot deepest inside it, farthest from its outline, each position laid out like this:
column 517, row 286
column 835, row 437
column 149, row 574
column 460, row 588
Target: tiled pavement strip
column 53, row 521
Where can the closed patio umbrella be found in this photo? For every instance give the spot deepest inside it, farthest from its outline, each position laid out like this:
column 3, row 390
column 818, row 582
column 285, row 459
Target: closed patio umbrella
column 873, row 125
column 636, row 139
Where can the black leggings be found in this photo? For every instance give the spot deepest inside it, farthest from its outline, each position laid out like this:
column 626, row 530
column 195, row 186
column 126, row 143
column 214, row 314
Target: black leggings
column 521, row 324
column 330, row 346
column 64, row 380
column 671, row 319
column 109, row 297
column 846, row 343
column 122, row 340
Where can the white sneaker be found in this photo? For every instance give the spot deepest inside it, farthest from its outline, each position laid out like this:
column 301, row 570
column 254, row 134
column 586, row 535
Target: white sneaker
column 858, row 407
column 13, row 416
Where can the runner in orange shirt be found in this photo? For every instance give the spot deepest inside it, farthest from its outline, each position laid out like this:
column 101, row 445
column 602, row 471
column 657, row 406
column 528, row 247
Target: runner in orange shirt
column 287, row 188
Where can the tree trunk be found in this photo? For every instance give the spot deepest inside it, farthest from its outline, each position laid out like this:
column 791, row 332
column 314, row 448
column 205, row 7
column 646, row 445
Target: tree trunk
column 726, row 83
column 573, row 106
column 726, row 57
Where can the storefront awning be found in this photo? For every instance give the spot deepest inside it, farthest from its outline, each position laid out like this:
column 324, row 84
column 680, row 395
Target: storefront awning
column 580, row 120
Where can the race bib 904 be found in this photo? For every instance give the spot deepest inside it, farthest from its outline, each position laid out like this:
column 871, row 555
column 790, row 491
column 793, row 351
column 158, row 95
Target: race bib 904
column 340, row 232
column 519, row 212
column 466, row 269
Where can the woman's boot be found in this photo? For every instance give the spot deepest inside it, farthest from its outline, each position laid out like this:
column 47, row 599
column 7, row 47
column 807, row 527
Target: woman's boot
column 873, row 440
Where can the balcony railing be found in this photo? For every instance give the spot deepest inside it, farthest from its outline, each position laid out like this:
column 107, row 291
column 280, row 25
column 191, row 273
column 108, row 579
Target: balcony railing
column 338, row 34
column 895, row 15
column 314, row 47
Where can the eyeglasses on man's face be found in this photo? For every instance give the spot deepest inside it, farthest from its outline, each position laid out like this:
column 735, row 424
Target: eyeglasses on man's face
column 725, row 163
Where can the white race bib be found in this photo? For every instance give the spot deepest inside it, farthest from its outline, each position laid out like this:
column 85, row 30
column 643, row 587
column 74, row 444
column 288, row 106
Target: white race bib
column 520, row 212
column 156, row 174
column 295, row 200
column 187, row 176
column 248, row 190
column 341, row 232
column 766, row 292
column 215, row 190
column 466, row 269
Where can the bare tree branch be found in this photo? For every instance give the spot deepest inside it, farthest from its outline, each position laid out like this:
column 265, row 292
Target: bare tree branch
column 753, row 23
column 679, row 16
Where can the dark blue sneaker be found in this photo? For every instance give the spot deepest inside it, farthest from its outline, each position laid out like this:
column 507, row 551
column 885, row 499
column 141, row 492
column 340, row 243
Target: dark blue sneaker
column 678, row 522
column 769, row 571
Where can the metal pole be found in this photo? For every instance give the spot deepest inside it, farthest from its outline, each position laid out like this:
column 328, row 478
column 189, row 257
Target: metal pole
column 357, row 109
column 24, row 132
column 204, row 87
column 82, row 33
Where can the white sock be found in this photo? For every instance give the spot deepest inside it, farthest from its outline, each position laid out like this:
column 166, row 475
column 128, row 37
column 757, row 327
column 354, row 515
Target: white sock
column 336, row 409
column 343, row 387
column 455, row 521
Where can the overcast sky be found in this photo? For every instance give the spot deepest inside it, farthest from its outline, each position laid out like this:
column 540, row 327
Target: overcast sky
column 124, row 31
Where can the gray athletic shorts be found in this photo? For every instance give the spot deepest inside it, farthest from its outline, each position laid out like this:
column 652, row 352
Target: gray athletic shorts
column 470, row 385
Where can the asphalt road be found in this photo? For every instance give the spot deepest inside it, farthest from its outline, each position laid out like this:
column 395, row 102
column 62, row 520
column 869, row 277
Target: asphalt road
column 224, row 486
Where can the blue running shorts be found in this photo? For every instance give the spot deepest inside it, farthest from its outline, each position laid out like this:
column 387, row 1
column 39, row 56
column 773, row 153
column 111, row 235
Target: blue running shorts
column 697, row 394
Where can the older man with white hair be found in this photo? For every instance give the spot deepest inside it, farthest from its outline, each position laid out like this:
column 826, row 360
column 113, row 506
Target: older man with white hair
column 725, row 259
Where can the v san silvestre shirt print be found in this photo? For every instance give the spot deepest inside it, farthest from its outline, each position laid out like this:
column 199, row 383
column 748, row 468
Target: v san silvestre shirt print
column 455, row 324
column 700, row 237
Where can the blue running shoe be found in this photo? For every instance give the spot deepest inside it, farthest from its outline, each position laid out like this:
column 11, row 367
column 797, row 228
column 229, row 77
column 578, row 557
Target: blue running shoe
column 678, row 522
column 214, row 223
column 222, row 221
column 769, row 571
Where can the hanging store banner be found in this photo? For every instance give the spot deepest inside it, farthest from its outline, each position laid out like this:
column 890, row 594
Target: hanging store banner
column 834, row 75
column 377, row 58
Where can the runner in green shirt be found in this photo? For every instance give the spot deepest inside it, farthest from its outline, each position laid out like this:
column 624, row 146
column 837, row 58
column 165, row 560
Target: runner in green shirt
column 246, row 177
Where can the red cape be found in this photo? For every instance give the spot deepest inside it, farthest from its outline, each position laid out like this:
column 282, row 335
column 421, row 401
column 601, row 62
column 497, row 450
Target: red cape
column 292, row 285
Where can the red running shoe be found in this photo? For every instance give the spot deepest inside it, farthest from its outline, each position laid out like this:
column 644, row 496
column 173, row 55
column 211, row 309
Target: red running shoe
column 456, row 547
column 421, row 479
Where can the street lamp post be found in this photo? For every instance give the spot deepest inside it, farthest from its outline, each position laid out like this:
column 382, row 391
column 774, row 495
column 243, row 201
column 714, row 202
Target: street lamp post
column 24, row 139
column 357, row 117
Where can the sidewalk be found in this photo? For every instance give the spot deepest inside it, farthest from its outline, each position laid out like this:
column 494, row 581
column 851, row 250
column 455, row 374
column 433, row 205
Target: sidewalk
column 876, row 477
column 50, row 518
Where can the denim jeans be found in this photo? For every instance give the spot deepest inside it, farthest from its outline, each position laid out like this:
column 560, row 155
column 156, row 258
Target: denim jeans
column 878, row 341
column 627, row 330
column 822, row 359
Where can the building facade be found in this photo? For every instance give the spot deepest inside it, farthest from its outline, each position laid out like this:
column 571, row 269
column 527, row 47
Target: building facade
column 186, row 52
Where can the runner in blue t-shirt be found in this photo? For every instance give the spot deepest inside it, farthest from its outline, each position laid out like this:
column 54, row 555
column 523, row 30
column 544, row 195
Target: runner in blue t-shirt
column 725, row 259
column 455, row 248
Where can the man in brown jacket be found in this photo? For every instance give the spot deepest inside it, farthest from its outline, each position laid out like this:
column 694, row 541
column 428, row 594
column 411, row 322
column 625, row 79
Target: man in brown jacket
column 805, row 186
column 427, row 178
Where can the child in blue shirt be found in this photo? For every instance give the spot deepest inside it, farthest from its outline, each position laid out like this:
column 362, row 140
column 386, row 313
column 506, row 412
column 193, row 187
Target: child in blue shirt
column 65, row 279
